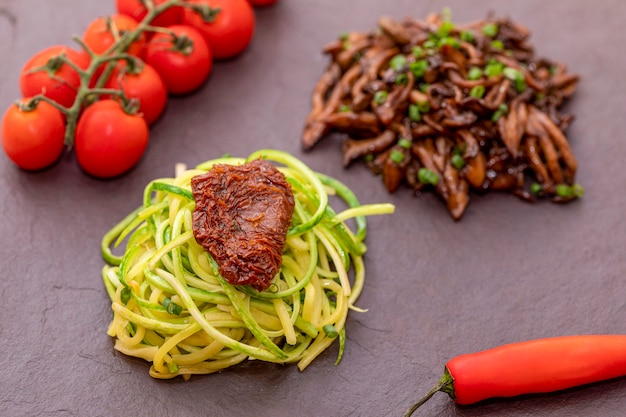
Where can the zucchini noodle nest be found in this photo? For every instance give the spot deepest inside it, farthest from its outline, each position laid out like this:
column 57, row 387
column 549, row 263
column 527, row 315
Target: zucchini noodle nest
column 171, row 307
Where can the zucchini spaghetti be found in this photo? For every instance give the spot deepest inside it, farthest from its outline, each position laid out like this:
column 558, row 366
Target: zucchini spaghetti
column 171, row 306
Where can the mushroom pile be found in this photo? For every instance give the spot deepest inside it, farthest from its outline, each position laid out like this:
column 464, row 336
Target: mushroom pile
column 450, row 108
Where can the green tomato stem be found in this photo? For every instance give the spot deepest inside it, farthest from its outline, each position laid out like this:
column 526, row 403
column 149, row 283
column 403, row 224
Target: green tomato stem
column 87, row 93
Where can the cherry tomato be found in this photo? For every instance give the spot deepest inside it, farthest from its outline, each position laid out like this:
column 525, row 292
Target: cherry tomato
column 45, row 73
column 142, row 82
column 182, row 58
column 231, row 30
column 102, row 32
column 137, row 10
column 262, row 3
column 33, row 139
column 109, row 141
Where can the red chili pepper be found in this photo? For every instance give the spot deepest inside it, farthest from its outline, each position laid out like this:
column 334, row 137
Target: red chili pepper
column 537, row 366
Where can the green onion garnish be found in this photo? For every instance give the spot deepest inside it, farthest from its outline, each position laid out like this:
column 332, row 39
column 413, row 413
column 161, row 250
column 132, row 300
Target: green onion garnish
column 457, row 161
column 430, row 44
column 497, row 44
column 502, row 109
column 517, row 77
column 380, row 97
column 414, row 113
column 417, row 52
column 474, row 73
column 490, row 29
column 535, row 188
column 449, row 40
column 564, row 190
column 467, row 36
column 396, row 156
column 578, row 190
column 427, row 176
column 402, row 79
column 493, row 68
column 398, row 63
column 418, row 68
column 478, row 91
column 344, row 108
column 445, row 29
column 404, row 143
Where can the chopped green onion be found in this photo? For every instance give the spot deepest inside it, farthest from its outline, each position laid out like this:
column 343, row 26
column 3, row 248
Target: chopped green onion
column 535, row 188
column 578, row 190
column 474, row 73
column 539, row 97
column 493, row 68
column 430, row 44
column 490, row 29
column 380, row 97
column 427, row 176
column 171, row 307
column 414, row 113
column 398, row 62
column 417, row 52
column 423, row 106
column 564, row 190
column 404, row 143
column 467, row 36
column 368, row 157
column 512, row 73
column 418, row 68
column 344, row 108
column 502, row 109
column 517, row 77
column 396, row 156
column 330, row 331
column 445, row 29
column 449, row 40
column 343, row 36
column 478, row 91
column 497, row 44
column 346, row 45
column 402, row 79
column 457, row 161
column 125, row 295
column 424, row 87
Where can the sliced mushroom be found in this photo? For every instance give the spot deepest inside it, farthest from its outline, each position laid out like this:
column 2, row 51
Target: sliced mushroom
column 353, row 149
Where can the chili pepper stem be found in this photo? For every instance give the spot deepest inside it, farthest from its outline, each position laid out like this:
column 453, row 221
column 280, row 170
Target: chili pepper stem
column 445, row 384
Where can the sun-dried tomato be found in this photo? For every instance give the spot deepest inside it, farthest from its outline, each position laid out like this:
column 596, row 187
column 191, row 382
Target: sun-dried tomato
column 241, row 219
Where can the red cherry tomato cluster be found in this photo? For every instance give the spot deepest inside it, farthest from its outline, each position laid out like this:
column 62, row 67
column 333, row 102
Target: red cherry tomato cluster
column 101, row 98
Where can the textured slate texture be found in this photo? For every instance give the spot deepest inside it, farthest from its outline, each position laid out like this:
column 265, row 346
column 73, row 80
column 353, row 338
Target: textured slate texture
column 508, row 271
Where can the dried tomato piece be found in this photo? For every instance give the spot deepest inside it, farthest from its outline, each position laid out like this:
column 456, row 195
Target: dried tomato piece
column 241, row 219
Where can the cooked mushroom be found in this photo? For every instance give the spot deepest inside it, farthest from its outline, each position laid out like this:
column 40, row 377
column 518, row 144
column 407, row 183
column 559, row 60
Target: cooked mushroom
column 453, row 108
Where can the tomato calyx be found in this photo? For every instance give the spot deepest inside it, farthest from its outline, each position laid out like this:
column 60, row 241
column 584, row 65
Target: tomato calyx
column 208, row 13
column 51, row 67
column 182, row 44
